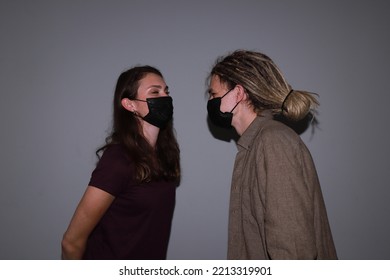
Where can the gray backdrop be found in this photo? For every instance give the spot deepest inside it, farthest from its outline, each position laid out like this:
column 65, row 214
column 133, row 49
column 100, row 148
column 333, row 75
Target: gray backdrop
column 59, row 65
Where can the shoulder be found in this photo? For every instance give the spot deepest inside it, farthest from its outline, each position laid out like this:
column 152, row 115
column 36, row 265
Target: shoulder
column 115, row 160
column 279, row 145
column 114, row 150
column 113, row 170
column 274, row 132
column 276, row 141
column 115, row 154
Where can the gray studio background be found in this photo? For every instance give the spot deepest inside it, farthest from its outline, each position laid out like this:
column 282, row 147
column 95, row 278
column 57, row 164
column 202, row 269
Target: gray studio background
column 59, row 64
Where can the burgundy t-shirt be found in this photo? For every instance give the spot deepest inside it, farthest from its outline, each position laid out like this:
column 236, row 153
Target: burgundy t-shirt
column 137, row 224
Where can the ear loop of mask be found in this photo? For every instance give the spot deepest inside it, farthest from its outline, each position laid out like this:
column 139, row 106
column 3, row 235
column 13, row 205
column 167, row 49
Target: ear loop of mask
column 140, row 100
column 135, row 112
column 226, row 94
column 235, row 106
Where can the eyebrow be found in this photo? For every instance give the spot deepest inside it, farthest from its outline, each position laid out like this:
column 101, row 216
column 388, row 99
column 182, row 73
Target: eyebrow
column 158, row 86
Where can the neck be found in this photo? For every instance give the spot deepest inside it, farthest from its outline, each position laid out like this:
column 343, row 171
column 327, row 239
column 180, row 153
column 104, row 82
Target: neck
column 150, row 133
column 243, row 119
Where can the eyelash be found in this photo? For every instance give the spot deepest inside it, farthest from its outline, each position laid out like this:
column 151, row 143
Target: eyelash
column 157, row 92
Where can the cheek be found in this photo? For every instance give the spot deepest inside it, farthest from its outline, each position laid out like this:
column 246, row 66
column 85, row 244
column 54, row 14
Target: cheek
column 142, row 109
column 226, row 105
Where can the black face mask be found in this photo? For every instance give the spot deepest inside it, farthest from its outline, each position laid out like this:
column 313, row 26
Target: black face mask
column 221, row 119
column 160, row 111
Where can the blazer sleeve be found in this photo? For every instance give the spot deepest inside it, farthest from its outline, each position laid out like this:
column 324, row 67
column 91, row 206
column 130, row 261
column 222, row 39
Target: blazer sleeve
column 289, row 218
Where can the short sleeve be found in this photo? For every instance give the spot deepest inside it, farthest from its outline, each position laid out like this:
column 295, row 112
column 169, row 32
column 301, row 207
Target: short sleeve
column 113, row 171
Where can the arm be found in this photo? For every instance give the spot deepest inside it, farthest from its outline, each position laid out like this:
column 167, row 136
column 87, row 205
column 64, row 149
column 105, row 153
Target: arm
column 289, row 220
column 91, row 208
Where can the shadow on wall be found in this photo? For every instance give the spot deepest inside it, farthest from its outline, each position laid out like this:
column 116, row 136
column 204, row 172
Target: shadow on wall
column 224, row 134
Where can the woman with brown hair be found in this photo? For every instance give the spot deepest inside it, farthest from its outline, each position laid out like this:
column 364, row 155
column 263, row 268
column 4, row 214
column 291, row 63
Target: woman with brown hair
column 127, row 208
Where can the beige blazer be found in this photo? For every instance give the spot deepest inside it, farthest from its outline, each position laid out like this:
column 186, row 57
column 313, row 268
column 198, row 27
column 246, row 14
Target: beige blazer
column 277, row 209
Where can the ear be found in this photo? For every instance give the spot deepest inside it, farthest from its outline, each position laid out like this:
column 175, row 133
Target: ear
column 128, row 104
column 241, row 93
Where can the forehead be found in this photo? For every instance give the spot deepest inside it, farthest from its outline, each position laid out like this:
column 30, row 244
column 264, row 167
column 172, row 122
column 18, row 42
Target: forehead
column 216, row 84
column 151, row 79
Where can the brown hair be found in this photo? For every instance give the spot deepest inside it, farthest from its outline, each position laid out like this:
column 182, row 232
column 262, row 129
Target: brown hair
column 264, row 83
column 163, row 161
